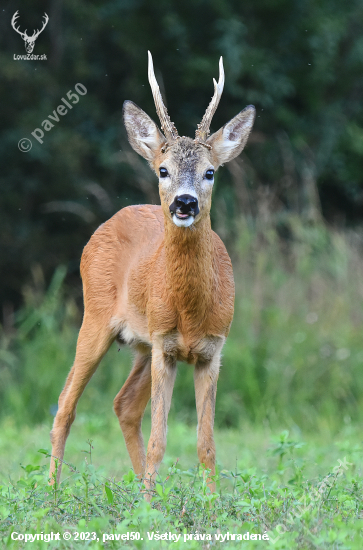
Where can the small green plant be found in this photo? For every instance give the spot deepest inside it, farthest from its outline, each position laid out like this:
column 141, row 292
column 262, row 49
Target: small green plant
column 283, row 446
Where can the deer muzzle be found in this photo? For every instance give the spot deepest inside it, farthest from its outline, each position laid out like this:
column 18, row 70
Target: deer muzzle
column 184, row 206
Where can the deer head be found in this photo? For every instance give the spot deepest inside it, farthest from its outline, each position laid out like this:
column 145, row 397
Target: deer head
column 29, row 40
column 186, row 167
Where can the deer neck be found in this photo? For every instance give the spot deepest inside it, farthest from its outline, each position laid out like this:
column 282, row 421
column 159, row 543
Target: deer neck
column 189, row 271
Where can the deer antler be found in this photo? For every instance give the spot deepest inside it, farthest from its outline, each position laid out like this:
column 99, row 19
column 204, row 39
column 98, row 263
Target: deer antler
column 37, row 33
column 13, row 21
column 167, row 125
column 203, row 128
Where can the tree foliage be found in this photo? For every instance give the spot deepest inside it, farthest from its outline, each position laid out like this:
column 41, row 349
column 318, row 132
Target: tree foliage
column 299, row 63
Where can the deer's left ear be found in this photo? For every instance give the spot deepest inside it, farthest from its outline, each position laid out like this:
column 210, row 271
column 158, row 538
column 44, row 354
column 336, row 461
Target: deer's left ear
column 229, row 141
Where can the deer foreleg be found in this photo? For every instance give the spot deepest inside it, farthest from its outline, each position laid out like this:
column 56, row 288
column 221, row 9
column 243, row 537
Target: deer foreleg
column 163, row 372
column 205, row 381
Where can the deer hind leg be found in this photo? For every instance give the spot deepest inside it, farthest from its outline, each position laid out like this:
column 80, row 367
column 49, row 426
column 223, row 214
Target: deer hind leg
column 129, row 406
column 93, row 342
column 205, row 382
column 163, row 372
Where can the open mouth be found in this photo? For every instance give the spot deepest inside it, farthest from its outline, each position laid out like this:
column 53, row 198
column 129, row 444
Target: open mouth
column 183, row 220
column 181, row 216
column 183, row 210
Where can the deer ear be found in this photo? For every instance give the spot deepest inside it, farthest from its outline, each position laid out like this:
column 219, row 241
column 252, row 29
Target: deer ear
column 229, row 141
column 144, row 135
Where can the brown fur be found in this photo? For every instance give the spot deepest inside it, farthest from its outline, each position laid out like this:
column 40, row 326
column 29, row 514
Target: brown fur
column 165, row 289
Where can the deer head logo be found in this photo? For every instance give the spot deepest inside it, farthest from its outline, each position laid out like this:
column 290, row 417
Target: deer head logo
column 29, row 40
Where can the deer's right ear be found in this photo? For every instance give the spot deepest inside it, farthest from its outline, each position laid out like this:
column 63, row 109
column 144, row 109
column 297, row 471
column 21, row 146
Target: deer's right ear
column 144, row 135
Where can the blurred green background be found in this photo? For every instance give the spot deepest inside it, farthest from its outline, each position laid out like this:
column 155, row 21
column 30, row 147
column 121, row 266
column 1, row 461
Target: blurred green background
column 289, row 209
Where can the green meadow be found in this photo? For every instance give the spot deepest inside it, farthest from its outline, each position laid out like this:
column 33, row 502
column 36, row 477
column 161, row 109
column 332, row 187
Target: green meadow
column 288, row 414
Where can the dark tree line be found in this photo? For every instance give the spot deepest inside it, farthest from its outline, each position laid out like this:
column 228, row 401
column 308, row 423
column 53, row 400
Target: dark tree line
column 299, row 62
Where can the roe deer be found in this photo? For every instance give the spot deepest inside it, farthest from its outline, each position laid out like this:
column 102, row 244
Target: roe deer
column 159, row 279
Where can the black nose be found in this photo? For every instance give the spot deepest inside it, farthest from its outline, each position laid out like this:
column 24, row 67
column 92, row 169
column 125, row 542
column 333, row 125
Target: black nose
column 185, row 204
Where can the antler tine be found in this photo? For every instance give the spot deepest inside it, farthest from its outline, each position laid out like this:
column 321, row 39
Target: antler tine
column 202, row 131
column 13, row 21
column 45, row 22
column 167, row 125
column 15, row 16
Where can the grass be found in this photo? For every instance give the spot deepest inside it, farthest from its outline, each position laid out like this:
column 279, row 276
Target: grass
column 297, row 492
column 289, row 406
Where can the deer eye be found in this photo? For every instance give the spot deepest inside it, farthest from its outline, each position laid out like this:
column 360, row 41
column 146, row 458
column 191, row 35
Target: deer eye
column 209, row 174
column 163, row 173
